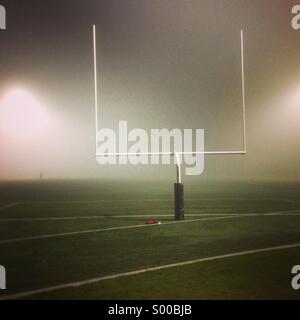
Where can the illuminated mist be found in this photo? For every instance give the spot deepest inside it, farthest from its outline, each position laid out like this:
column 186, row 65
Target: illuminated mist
column 173, row 64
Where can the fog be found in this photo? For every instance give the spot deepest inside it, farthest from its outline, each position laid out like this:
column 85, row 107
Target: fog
column 162, row 64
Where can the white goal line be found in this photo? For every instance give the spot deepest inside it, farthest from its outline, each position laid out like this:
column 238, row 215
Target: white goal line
column 138, row 226
column 78, row 284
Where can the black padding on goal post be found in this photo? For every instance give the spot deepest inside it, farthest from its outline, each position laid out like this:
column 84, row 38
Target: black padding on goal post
column 179, row 201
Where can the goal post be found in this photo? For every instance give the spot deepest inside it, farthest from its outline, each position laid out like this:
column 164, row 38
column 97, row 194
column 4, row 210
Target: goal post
column 178, row 185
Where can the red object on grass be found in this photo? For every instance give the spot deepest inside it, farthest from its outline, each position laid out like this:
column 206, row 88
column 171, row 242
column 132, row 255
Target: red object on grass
column 151, row 221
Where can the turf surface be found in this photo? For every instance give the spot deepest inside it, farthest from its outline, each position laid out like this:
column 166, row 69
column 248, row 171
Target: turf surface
column 52, row 208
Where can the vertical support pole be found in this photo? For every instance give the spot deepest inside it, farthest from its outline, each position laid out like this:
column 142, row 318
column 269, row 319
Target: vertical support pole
column 178, row 192
column 95, row 86
column 243, row 91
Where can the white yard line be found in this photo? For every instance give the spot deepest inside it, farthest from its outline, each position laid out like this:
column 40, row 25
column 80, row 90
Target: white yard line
column 133, row 216
column 158, row 200
column 55, row 235
column 50, row 218
column 232, row 216
column 141, row 271
column 289, row 200
column 9, row 205
column 96, row 201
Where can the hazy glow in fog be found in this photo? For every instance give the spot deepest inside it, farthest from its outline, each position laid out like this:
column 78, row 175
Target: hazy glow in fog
column 288, row 110
column 295, row 100
column 22, row 117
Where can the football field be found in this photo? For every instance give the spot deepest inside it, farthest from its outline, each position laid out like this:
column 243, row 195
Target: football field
column 90, row 240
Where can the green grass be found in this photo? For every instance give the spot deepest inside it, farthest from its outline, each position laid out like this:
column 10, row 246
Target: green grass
column 41, row 263
column 259, row 276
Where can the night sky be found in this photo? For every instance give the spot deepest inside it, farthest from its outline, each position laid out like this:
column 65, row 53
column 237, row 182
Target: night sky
column 171, row 63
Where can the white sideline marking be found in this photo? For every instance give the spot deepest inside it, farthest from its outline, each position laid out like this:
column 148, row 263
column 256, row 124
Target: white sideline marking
column 158, row 199
column 55, row 235
column 293, row 212
column 111, row 217
column 97, row 201
column 289, row 200
column 231, row 216
column 9, row 205
column 151, row 269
